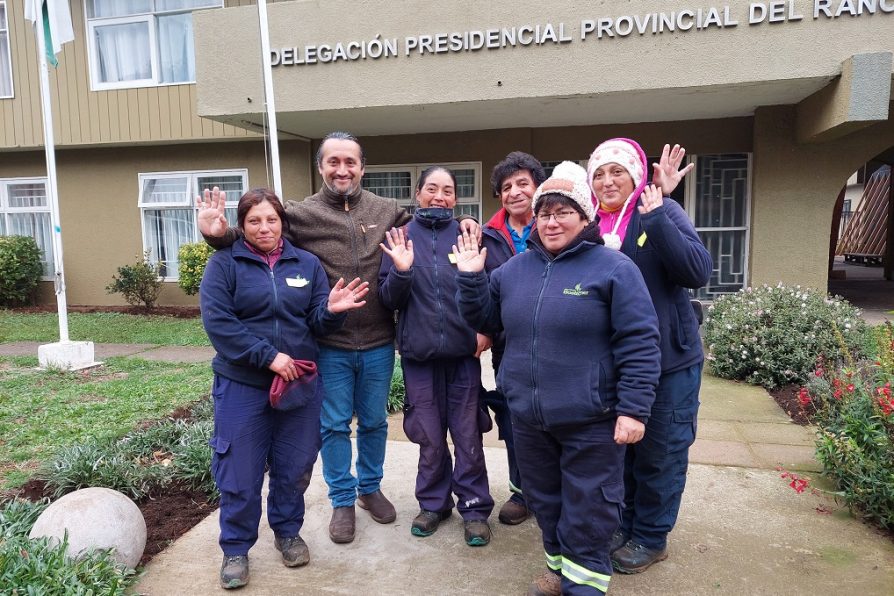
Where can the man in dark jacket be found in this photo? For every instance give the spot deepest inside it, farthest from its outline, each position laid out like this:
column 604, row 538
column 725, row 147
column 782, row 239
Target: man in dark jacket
column 514, row 180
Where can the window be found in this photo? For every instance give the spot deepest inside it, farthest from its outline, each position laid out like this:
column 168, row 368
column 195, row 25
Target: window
column 142, row 43
column 399, row 182
column 5, row 56
column 167, row 208
column 718, row 200
column 25, row 211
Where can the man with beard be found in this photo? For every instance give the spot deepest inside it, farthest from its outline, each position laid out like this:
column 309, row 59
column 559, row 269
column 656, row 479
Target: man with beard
column 343, row 226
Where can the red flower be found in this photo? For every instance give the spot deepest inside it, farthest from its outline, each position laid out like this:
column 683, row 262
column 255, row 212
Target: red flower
column 850, row 388
column 804, row 396
column 837, row 394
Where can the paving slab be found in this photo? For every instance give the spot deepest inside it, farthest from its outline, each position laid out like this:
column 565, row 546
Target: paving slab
column 718, row 430
column 731, row 400
column 787, row 433
column 788, row 457
column 19, row 348
column 114, row 350
column 723, row 453
column 741, row 531
column 186, row 354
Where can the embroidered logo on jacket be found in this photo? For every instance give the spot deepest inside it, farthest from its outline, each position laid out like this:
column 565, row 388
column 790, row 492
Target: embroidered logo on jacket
column 575, row 291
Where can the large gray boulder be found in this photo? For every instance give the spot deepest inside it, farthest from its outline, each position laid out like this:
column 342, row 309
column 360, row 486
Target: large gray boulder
column 96, row 518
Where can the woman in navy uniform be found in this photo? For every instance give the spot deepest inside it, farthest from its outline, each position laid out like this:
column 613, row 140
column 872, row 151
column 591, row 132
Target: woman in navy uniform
column 579, row 373
column 263, row 301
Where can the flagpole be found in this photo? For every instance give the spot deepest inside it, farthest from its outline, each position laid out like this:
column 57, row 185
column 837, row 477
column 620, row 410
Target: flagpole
column 272, row 132
column 52, row 188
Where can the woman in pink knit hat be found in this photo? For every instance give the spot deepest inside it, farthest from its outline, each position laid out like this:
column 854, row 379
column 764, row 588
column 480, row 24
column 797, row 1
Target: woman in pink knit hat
column 656, row 233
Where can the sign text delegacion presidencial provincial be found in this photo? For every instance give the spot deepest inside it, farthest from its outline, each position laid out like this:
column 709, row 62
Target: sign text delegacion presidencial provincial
column 653, row 23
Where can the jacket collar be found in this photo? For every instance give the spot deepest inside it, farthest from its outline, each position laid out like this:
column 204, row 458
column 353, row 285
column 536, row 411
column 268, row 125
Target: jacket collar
column 241, row 251
column 433, row 217
column 499, row 224
column 339, row 200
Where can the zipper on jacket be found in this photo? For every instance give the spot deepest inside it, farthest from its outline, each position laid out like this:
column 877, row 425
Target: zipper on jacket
column 434, row 248
column 275, row 309
column 538, row 410
column 356, row 255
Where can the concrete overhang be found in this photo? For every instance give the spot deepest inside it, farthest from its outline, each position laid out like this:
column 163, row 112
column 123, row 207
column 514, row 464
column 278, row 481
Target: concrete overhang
column 856, row 99
column 708, row 74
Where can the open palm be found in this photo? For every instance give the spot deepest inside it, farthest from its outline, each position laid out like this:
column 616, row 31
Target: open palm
column 469, row 258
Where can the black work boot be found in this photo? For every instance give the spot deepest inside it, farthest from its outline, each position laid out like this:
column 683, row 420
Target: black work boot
column 476, row 532
column 234, row 571
column 619, row 539
column 294, row 550
column 636, row 558
column 426, row 522
column 513, row 513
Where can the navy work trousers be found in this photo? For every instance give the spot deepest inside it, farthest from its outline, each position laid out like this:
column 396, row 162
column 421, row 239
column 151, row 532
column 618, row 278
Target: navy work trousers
column 496, row 401
column 249, row 435
column 442, row 395
column 574, row 483
column 655, row 468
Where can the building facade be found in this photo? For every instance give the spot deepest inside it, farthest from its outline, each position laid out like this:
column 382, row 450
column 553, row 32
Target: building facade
column 778, row 103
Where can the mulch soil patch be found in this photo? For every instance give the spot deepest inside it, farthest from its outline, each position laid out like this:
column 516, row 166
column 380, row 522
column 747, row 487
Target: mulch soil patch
column 179, row 312
column 787, row 398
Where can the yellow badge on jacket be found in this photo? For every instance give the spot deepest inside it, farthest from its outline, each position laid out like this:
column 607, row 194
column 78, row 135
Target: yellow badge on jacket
column 641, row 240
column 296, row 282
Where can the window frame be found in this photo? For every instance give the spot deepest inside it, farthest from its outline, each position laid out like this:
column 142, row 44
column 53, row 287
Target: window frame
column 5, row 210
column 415, row 169
column 91, row 23
column 690, row 207
column 192, row 177
column 5, row 27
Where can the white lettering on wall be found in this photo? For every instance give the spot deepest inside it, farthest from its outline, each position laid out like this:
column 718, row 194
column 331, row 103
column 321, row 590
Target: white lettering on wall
column 592, row 29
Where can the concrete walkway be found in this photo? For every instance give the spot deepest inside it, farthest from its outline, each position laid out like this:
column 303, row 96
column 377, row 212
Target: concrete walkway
column 742, row 529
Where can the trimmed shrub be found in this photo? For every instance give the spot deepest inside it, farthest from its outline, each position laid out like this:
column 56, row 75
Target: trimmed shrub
column 138, row 283
column 398, row 393
column 20, row 270
column 192, row 258
column 772, row 336
column 854, row 409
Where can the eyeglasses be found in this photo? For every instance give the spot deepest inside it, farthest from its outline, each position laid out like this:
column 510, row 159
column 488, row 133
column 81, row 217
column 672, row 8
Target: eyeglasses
column 560, row 216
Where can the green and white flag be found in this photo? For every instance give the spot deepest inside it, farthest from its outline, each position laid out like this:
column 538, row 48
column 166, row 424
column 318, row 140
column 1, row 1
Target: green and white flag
column 56, row 19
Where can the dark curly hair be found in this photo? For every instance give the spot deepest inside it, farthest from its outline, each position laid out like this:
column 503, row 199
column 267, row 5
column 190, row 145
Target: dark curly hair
column 516, row 162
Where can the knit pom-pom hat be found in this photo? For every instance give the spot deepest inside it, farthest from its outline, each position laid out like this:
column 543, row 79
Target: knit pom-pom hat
column 569, row 180
column 623, row 152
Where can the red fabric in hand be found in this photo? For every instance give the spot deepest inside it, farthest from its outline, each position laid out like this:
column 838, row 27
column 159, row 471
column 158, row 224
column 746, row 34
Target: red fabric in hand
column 288, row 395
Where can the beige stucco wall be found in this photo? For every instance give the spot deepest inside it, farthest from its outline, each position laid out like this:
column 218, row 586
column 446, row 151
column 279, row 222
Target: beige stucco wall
column 98, row 192
column 793, row 193
column 687, row 74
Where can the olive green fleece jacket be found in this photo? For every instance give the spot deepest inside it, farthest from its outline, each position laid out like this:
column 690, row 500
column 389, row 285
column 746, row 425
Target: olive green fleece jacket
column 344, row 232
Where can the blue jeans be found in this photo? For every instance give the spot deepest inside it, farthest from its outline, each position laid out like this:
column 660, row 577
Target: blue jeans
column 356, row 381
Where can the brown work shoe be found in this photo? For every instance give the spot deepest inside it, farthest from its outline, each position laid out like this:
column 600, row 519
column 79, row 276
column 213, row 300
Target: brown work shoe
column 341, row 526
column 546, row 584
column 234, row 571
column 513, row 513
column 379, row 507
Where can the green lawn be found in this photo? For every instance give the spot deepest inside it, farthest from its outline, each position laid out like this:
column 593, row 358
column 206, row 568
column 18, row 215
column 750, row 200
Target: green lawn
column 103, row 328
column 41, row 411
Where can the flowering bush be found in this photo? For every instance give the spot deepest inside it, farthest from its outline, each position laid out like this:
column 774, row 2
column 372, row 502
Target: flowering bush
column 192, row 258
column 854, row 409
column 772, row 335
